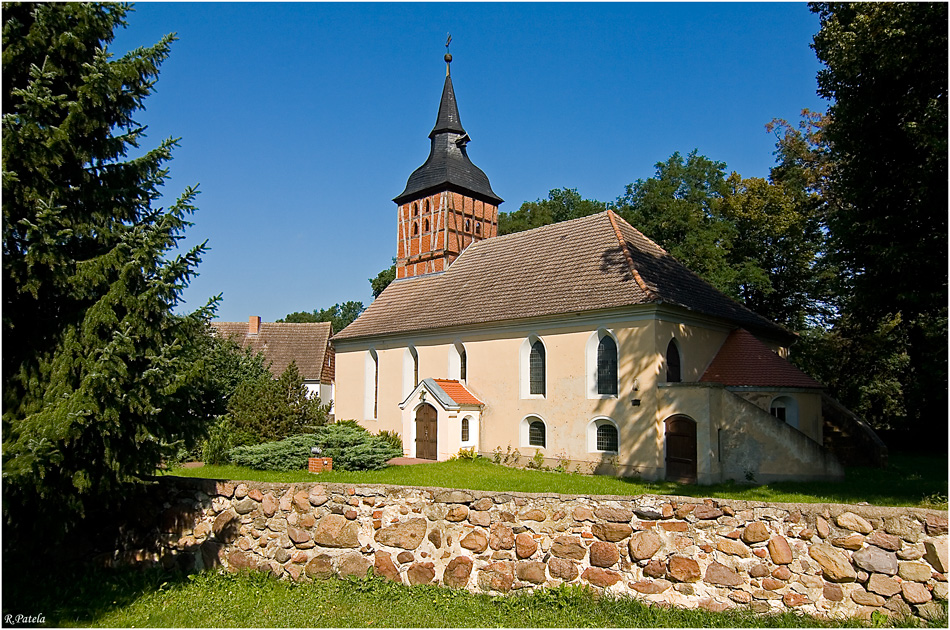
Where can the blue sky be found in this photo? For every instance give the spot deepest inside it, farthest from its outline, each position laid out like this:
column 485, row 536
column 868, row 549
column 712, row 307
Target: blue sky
column 302, row 121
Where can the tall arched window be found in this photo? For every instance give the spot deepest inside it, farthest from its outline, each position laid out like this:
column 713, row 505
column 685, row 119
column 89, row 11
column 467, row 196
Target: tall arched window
column 415, row 209
column 425, row 225
column 465, row 429
column 536, row 362
column 458, row 362
column 478, row 227
column 427, row 205
column 673, row 373
column 415, row 366
column 415, row 228
column 607, row 366
column 371, row 382
column 463, row 364
column 468, row 225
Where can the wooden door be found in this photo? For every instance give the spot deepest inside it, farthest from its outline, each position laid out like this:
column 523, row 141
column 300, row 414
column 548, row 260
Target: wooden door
column 680, row 449
column 427, row 432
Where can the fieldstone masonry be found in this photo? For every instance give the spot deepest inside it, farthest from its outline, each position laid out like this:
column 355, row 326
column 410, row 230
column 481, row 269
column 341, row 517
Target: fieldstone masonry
column 823, row 559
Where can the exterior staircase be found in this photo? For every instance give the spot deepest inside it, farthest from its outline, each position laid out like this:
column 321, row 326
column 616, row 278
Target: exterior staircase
column 849, row 437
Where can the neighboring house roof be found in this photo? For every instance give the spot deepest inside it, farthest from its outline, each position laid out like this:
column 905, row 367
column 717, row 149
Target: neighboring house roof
column 451, row 394
column 743, row 360
column 448, row 166
column 593, row 263
column 306, row 344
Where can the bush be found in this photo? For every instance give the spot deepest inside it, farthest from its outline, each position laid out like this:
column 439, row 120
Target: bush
column 222, row 437
column 393, row 438
column 354, row 448
column 351, row 446
column 284, row 456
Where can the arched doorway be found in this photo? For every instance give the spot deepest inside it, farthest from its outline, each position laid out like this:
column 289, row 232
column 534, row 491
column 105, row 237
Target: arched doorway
column 427, row 424
column 680, row 449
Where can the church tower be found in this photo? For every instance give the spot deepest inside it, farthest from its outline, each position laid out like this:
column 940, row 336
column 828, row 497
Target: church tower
column 448, row 202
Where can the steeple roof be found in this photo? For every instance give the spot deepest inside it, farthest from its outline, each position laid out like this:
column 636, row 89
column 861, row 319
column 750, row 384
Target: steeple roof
column 448, row 166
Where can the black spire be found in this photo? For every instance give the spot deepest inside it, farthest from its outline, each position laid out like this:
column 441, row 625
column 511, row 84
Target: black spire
column 448, row 166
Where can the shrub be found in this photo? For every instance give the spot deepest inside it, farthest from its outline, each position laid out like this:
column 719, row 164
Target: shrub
column 393, row 438
column 351, row 446
column 354, row 448
column 284, row 456
column 222, row 437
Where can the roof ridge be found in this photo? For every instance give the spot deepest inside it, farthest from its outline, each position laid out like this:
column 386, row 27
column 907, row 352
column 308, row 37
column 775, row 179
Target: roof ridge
column 626, row 254
column 546, row 226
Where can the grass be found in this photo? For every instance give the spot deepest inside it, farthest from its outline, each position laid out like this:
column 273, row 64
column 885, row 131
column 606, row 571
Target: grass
column 919, row 481
column 128, row 598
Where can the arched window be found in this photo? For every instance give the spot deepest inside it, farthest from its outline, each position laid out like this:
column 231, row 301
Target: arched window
column 603, row 436
column 425, row 225
column 415, row 367
column 427, row 206
column 463, row 364
column 465, row 429
column 607, row 366
column 458, row 361
column 536, row 365
column 673, row 373
column 468, row 225
column 607, row 438
column 785, row 408
column 478, row 227
column 536, row 434
column 371, row 382
column 415, row 209
column 415, row 228
column 410, row 370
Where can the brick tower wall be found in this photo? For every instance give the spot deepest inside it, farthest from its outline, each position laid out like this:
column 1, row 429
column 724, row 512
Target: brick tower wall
column 434, row 230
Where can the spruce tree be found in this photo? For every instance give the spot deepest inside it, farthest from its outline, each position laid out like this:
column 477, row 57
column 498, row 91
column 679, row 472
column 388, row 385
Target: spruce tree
column 100, row 378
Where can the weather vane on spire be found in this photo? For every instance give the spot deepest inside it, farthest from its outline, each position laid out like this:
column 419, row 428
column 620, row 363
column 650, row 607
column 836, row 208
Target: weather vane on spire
column 448, row 55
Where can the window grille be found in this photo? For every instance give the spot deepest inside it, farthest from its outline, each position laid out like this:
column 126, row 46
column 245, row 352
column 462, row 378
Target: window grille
column 607, row 438
column 536, row 434
column 537, row 368
column 607, row 366
column 465, row 430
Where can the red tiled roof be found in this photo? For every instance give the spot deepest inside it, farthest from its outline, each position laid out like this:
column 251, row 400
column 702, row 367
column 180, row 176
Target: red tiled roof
column 593, row 263
column 744, row 360
column 306, row 344
column 457, row 392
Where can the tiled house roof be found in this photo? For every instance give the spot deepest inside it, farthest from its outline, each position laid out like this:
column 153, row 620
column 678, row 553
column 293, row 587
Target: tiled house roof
column 593, row 263
column 307, row 344
column 743, row 360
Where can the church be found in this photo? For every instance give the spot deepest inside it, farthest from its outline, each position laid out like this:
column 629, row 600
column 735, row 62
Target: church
column 582, row 344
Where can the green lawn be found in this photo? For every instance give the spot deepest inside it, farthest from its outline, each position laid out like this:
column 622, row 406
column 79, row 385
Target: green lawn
column 100, row 598
column 908, row 481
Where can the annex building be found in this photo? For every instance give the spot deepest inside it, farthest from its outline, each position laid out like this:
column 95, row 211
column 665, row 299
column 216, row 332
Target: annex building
column 583, row 341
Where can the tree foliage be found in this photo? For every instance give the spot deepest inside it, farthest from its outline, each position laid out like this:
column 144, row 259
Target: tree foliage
column 100, row 379
column 562, row 204
column 885, row 71
column 339, row 315
column 266, row 409
column 382, row 279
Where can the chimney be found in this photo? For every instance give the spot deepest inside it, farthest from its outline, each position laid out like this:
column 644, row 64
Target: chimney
column 253, row 325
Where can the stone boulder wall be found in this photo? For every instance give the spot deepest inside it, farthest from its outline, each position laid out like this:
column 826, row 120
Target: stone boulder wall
column 821, row 559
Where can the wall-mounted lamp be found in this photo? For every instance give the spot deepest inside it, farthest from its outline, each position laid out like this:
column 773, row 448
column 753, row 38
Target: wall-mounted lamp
column 635, row 402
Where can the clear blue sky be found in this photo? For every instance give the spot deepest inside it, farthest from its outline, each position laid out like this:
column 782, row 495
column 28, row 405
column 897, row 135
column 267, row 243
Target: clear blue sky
column 302, row 121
